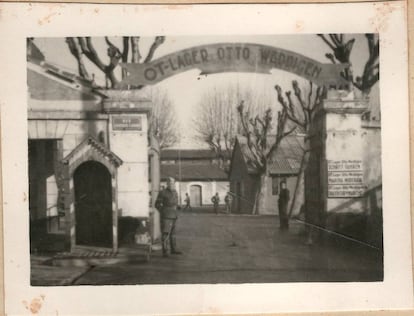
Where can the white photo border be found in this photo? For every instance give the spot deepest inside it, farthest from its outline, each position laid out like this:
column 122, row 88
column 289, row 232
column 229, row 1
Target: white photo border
column 19, row 21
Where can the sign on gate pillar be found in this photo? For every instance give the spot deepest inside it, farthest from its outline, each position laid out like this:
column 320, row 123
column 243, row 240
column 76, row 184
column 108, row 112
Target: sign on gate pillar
column 128, row 138
column 345, row 178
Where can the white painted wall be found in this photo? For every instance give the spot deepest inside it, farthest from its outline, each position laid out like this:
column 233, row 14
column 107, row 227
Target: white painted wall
column 132, row 148
column 345, row 141
column 208, row 189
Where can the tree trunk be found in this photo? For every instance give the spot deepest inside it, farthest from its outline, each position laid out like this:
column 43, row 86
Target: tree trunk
column 260, row 198
column 298, row 197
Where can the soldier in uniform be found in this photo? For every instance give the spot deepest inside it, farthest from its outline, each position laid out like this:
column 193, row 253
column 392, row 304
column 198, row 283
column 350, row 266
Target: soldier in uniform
column 216, row 200
column 228, row 198
column 187, row 203
column 283, row 203
column 167, row 204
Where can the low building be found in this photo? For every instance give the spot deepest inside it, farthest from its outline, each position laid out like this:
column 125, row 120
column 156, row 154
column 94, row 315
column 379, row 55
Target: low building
column 83, row 187
column 284, row 164
column 198, row 172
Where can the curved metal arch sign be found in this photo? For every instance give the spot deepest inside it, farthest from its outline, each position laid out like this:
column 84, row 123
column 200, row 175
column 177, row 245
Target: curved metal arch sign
column 233, row 57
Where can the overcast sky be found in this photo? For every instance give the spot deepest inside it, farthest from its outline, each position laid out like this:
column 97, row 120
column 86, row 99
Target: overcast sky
column 187, row 88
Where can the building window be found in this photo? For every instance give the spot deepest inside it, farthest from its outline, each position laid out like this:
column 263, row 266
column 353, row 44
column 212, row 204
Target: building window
column 276, row 181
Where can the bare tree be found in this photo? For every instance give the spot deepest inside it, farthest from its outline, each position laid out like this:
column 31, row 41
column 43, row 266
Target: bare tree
column 341, row 52
column 300, row 109
column 81, row 47
column 163, row 123
column 261, row 145
column 305, row 102
column 217, row 121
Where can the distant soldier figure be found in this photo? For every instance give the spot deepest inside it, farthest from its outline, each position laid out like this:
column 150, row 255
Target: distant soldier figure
column 228, row 199
column 167, row 204
column 283, row 203
column 187, row 202
column 216, row 200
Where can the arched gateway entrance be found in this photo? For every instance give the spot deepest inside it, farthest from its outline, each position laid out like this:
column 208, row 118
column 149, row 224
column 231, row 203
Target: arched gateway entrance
column 232, row 57
column 93, row 204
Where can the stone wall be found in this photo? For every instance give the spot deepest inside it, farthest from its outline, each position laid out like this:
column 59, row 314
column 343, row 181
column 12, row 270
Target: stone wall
column 343, row 177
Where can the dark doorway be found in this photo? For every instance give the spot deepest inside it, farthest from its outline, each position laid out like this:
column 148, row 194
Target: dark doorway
column 93, row 205
column 46, row 208
column 195, row 195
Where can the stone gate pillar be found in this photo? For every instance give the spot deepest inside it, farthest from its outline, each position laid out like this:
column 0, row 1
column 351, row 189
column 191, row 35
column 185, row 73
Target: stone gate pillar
column 128, row 113
column 335, row 184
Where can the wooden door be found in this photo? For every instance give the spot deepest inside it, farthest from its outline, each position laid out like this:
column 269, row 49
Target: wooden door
column 195, row 195
column 93, row 205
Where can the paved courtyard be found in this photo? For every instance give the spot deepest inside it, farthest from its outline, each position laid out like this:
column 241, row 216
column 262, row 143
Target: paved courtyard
column 243, row 249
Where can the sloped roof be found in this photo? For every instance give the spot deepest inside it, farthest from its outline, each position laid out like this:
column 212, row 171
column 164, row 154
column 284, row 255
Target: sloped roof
column 96, row 145
column 193, row 171
column 47, row 86
column 47, row 81
column 64, row 74
column 177, row 154
column 285, row 160
column 34, row 54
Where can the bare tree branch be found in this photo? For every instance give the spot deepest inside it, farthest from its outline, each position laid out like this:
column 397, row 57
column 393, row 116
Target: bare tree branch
column 258, row 158
column 157, row 42
column 83, row 46
column 310, row 95
column 341, row 53
column 89, row 51
column 76, row 52
column 289, row 107
column 125, row 49
column 136, row 56
column 298, row 93
column 112, row 46
column 326, row 41
column 93, row 55
column 331, row 58
column 335, row 39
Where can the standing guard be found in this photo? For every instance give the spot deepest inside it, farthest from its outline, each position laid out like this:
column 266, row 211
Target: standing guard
column 228, row 199
column 283, row 203
column 167, row 204
column 187, row 203
column 216, row 200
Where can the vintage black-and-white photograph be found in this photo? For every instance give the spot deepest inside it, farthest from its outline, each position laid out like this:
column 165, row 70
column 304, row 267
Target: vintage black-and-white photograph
column 204, row 159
